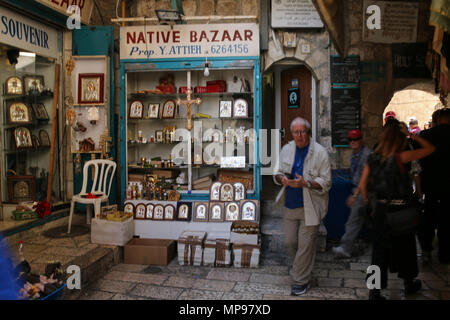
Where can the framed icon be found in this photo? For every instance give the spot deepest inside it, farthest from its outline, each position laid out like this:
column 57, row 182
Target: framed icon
column 13, row 86
column 44, row 139
column 239, row 191
column 40, row 112
column 201, row 210
column 184, row 211
column 35, row 140
column 232, row 211
column 140, row 211
column 249, row 210
column 158, row 212
column 128, row 208
column 20, row 188
column 159, row 136
column 18, row 112
column 169, row 212
column 168, row 109
column 214, row 193
column 149, row 211
column 225, row 108
column 136, row 110
column 216, row 212
column 91, row 88
column 33, row 84
column 22, row 138
column 240, row 108
column 152, row 111
column 226, row 192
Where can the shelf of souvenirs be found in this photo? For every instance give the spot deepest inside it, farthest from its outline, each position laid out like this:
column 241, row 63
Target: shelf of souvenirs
column 43, row 95
column 193, row 119
column 34, row 123
column 139, row 166
column 22, row 150
column 137, row 95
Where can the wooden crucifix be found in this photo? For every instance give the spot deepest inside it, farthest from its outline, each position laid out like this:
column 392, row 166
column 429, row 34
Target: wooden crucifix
column 188, row 102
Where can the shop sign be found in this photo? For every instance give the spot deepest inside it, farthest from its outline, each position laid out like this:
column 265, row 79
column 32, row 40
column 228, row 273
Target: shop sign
column 24, row 33
column 295, row 14
column 189, row 41
column 293, row 98
column 61, row 6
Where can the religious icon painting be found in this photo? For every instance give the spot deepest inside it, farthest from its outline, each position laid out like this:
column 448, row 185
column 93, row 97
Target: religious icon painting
column 158, row 212
column 239, row 191
column 40, row 112
column 232, row 211
column 18, row 112
column 214, row 193
column 169, row 212
column 227, row 192
column 149, row 212
column 91, row 88
column 184, row 211
column 33, row 84
column 168, row 110
column 14, row 86
column 216, row 212
column 44, row 138
column 35, row 140
column 153, row 111
column 225, row 108
column 201, row 211
column 240, row 108
column 128, row 208
column 140, row 211
column 22, row 138
column 249, row 210
column 136, row 110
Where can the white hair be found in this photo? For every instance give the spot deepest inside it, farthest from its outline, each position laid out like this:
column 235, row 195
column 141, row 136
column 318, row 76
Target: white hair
column 301, row 121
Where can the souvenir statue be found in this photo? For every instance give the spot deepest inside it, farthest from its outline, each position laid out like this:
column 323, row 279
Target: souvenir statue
column 216, row 212
column 231, row 211
column 214, row 194
column 227, row 192
column 14, row 86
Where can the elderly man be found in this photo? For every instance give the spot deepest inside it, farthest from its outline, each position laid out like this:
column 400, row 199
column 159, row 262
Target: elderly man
column 360, row 153
column 304, row 171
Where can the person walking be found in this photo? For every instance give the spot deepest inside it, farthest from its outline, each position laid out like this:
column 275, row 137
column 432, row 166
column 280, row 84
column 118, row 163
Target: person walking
column 360, row 153
column 305, row 173
column 390, row 184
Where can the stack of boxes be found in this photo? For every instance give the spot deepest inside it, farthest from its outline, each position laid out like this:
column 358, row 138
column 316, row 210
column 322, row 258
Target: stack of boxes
column 190, row 248
column 246, row 244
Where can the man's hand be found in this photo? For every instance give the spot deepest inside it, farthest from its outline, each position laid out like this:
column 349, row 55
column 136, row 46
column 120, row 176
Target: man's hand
column 351, row 201
column 299, row 182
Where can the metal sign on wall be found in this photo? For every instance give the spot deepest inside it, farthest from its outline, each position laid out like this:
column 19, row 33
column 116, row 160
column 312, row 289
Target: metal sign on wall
column 189, row 41
column 61, row 6
column 23, row 33
column 295, row 14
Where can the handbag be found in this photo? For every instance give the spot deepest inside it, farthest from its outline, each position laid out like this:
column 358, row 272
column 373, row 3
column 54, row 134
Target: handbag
column 404, row 221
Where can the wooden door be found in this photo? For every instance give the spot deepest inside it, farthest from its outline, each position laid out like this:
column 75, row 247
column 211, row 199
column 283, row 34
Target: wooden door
column 299, row 77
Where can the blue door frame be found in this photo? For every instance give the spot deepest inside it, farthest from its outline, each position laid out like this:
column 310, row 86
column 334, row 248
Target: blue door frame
column 187, row 64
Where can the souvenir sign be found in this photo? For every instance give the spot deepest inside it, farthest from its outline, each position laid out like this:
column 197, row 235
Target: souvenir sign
column 225, row 108
column 35, row 140
column 22, row 138
column 158, row 212
column 214, row 193
column 216, row 212
column 136, row 110
column 149, row 212
column 18, row 112
column 153, row 111
column 240, row 109
column 128, row 208
column 14, row 86
column 140, row 211
column 40, row 112
column 226, row 192
column 232, row 211
column 33, row 84
column 44, row 138
column 168, row 111
column 21, row 188
column 239, row 191
column 201, row 211
column 90, row 88
column 159, row 136
column 169, row 212
column 249, row 210
column 184, row 211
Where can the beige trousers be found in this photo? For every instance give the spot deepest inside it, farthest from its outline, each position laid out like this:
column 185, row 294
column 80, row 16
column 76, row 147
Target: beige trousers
column 300, row 242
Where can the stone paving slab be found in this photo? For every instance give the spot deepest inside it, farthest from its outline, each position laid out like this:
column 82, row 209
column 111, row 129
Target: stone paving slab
column 218, row 274
column 129, row 267
column 180, row 282
column 214, row 285
column 242, row 296
column 329, row 282
column 271, row 279
column 244, row 287
column 284, row 297
column 113, row 286
column 193, row 294
column 136, row 277
column 156, row 292
column 97, row 295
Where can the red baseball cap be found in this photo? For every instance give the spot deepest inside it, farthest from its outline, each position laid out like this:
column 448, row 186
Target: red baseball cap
column 390, row 114
column 355, row 134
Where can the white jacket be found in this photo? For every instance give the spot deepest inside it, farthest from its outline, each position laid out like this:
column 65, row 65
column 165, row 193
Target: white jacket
column 315, row 168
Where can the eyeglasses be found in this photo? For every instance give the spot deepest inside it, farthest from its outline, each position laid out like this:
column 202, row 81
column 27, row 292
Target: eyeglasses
column 299, row 132
column 353, row 139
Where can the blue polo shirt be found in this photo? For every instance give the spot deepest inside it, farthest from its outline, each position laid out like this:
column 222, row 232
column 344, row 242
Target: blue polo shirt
column 294, row 196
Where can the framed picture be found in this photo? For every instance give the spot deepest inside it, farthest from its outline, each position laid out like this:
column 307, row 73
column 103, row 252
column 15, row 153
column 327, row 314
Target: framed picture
column 13, row 86
column 249, row 210
column 153, row 111
column 240, row 108
column 216, row 212
column 90, row 88
column 128, row 208
column 40, row 112
column 18, row 112
column 159, row 136
column 239, row 191
column 232, row 211
column 136, row 110
column 149, row 211
column 214, row 193
column 225, row 108
column 33, row 84
column 20, row 188
column 140, row 211
column 22, row 138
column 35, row 140
column 169, row 212
column 44, row 138
column 201, row 211
column 226, row 192
column 184, row 211
column 158, row 212
column 168, row 109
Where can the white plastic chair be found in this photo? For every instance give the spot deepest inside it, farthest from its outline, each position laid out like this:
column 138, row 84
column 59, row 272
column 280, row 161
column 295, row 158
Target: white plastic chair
column 103, row 171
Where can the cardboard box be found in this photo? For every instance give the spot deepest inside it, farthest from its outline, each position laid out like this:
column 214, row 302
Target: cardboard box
column 246, row 256
column 190, row 248
column 149, row 251
column 111, row 232
column 244, row 238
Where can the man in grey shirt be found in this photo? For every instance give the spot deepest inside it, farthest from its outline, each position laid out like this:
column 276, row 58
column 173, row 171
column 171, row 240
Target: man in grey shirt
column 360, row 153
